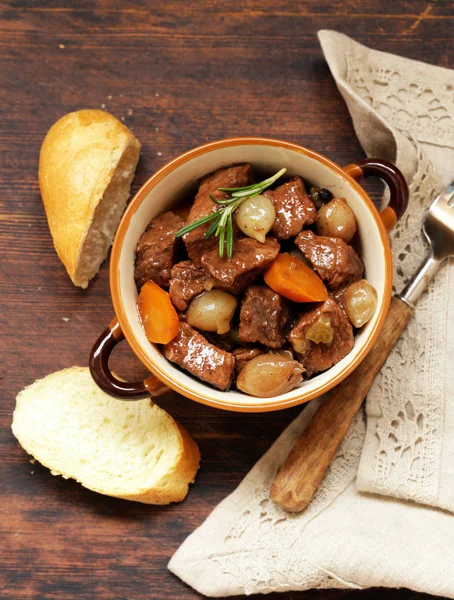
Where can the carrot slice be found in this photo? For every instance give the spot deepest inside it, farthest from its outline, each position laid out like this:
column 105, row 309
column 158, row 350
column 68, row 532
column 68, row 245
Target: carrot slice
column 158, row 316
column 294, row 280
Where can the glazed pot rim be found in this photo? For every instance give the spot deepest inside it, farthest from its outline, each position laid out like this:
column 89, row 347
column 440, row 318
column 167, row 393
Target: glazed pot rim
column 264, row 404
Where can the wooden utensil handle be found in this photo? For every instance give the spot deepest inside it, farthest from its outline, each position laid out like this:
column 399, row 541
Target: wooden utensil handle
column 305, row 466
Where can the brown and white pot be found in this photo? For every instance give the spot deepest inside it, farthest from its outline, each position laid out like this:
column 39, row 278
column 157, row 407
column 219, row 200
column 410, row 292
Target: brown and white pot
column 167, row 187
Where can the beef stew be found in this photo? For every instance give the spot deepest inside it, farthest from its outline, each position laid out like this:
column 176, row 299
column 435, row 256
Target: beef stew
column 242, row 302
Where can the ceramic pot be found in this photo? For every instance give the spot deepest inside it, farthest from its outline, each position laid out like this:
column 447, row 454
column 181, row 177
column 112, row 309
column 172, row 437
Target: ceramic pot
column 167, row 187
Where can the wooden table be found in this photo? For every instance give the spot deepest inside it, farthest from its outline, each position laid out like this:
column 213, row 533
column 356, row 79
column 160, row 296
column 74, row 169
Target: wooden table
column 179, row 74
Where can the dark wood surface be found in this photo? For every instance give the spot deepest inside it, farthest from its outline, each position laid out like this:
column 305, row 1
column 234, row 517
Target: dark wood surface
column 179, row 74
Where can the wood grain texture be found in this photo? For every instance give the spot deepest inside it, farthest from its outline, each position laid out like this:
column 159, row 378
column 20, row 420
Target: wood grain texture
column 303, row 470
column 178, row 73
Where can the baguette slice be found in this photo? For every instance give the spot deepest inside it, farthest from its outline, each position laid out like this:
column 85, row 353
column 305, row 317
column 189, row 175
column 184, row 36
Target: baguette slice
column 130, row 450
column 86, row 166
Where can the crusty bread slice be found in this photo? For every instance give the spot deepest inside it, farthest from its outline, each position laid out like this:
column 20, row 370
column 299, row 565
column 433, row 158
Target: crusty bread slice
column 130, row 450
column 86, row 165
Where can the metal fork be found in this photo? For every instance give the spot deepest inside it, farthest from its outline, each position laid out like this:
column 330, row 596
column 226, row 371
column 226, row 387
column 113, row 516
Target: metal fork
column 305, row 466
column 438, row 227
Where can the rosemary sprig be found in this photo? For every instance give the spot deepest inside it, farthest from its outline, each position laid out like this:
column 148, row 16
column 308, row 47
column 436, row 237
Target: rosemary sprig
column 255, row 188
column 222, row 218
column 187, row 228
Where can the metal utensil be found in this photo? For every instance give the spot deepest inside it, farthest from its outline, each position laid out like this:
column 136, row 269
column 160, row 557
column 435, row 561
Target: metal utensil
column 438, row 227
column 305, row 466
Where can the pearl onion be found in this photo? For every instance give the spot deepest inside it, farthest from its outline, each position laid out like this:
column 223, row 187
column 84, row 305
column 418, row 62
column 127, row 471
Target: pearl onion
column 336, row 219
column 255, row 217
column 269, row 375
column 360, row 301
column 212, row 311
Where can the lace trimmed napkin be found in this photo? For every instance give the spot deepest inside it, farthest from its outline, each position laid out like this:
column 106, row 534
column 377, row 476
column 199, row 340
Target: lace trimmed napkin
column 402, row 111
column 344, row 539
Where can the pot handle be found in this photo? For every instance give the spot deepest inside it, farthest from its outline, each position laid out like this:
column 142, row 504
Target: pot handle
column 398, row 188
column 103, row 376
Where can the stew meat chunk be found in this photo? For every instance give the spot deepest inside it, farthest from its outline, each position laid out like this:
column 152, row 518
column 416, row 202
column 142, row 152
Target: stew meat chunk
column 294, row 209
column 238, row 176
column 243, row 356
column 186, row 282
column 250, row 258
column 334, row 260
column 263, row 317
column 192, row 352
column 222, row 341
column 319, row 357
column 156, row 250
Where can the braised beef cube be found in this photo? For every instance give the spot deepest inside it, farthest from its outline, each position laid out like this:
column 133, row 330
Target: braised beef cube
column 250, row 258
column 334, row 260
column 192, row 352
column 294, row 209
column 238, row 176
column 263, row 317
column 222, row 341
column 186, row 282
column 320, row 356
column 155, row 253
column 339, row 296
column 243, row 356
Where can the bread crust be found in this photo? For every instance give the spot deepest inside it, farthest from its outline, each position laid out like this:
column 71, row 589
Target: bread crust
column 79, row 157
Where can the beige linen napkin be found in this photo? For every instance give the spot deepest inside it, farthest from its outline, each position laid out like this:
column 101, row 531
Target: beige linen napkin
column 403, row 111
column 344, row 539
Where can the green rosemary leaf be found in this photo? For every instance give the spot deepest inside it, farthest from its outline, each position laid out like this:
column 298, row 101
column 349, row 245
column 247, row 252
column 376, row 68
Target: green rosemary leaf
column 223, row 219
column 187, row 228
column 258, row 188
column 211, row 229
column 220, row 202
column 239, row 189
column 221, row 242
column 230, row 236
column 238, row 201
column 247, row 193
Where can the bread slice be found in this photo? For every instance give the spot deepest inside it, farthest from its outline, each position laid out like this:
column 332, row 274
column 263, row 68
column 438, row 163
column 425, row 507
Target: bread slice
column 131, row 450
column 86, row 165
